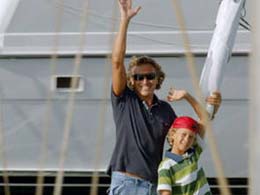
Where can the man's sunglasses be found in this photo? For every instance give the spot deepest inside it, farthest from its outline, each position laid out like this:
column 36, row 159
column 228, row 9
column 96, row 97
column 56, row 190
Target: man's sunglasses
column 148, row 76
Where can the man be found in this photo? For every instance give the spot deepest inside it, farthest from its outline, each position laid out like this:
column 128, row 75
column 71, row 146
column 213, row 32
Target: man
column 142, row 120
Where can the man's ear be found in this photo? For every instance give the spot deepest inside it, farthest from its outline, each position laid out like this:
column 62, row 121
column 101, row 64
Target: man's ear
column 131, row 82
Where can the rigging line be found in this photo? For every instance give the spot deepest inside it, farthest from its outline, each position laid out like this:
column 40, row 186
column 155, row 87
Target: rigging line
column 14, row 130
column 7, row 190
column 5, row 173
column 107, row 68
column 243, row 13
column 3, row 155
column 245, row 24
column 101, row 24
column 71, row 102
column 198, row 46
column 191, row 65
column 46, row 124
column 75, row 11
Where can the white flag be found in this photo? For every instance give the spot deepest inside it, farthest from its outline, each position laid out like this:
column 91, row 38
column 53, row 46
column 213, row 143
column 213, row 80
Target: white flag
column 221, row 46
column 7, row 8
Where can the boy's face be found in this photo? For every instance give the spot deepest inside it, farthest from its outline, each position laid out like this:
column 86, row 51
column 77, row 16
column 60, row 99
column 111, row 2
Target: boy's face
column 182, row 140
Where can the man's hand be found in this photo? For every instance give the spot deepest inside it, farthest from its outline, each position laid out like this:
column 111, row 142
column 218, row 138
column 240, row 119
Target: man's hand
column 126, row 10
column 215, row 100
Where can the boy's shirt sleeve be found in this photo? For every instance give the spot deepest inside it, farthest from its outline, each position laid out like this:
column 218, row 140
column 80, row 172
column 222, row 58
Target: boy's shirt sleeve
column 164, row 177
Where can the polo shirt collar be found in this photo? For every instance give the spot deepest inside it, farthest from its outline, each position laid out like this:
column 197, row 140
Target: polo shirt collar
column 156, row 101
column 177, row 158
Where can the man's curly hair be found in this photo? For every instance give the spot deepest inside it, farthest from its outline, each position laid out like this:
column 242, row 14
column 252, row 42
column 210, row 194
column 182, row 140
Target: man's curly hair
column 142, row 60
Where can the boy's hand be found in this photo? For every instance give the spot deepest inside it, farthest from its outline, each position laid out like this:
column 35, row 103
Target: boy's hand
column 126, row 10
column 175, row 95
column 215, row 99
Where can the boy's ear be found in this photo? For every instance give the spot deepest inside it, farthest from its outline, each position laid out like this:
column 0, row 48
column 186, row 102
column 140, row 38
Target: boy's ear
column 171, row 132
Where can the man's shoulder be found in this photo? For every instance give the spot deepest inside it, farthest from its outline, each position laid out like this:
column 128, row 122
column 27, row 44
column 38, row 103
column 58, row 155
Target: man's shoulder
column 165, row 107
column 163, row 102
column 126, row 92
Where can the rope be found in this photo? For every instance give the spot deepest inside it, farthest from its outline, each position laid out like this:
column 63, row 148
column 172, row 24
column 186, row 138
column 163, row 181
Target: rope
column 100, row 130
column 195, row 81
column 75, row 11
column 71, row 102
column 3, row 157
column 70, row 108
column 46, row 125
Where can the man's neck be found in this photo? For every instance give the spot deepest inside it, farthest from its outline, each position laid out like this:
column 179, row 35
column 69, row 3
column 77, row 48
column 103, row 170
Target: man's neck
column 148, row 101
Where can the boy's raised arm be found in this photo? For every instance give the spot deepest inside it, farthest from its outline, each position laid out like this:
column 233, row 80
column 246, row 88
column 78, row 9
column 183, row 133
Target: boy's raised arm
column 119, row 48
column 203, row 116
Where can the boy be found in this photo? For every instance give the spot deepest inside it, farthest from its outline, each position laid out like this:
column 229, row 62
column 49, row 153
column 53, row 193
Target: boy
column 181, row 172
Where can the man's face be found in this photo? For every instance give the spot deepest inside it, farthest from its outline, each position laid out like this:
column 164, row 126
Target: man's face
column 144, row 80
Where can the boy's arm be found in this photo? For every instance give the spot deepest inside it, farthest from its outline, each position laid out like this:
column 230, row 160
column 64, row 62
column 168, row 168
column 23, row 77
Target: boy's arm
column 200, row 111
column 119, row 48
column 198, row 108
column 176, row 95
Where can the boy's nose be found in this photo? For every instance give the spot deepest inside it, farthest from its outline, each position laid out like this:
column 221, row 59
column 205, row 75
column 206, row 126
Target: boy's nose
column 187, row 138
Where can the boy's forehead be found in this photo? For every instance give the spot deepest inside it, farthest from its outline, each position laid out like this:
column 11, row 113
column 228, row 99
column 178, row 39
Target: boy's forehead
column 185, row 130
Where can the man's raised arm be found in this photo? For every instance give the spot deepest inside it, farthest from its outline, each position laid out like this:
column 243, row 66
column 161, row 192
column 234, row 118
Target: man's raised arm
column 119, row 48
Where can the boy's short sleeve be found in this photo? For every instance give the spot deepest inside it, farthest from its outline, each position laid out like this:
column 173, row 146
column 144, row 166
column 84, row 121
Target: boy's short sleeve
column 164, row 177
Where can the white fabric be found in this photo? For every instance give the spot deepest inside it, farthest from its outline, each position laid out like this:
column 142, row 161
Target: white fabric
column 221, row 45
column 7, row 8
column 189, row 178
column 164, row 187
column 167, row 164
column 202, row 190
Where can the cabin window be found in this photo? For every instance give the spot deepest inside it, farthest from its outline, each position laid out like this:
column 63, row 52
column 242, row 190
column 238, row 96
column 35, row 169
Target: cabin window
column 63, row 83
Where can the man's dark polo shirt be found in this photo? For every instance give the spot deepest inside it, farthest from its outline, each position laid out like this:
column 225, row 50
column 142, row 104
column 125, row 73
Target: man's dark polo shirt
column 140, row 134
